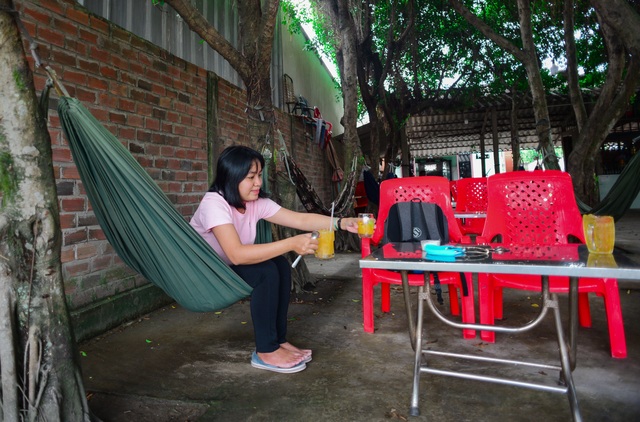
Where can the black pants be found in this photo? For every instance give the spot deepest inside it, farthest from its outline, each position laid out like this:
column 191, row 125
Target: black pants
column 271, row 282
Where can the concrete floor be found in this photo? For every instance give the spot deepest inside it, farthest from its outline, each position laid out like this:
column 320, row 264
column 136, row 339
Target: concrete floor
column 175, row 365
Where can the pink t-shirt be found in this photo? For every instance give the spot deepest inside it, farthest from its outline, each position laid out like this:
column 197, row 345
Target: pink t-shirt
column 214, row 211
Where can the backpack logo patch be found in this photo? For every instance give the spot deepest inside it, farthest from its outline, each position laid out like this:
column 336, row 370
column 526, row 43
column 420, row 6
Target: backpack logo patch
column 417, row 233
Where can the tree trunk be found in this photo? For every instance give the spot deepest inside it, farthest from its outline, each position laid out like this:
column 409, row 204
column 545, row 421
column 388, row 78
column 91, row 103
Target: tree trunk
column 619, row 23
column 538, row 93
column 49, row 385
column 528, row 57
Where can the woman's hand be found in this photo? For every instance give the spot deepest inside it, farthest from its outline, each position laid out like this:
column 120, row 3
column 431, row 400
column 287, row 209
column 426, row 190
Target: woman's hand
column 305, row 244
column 349, row 224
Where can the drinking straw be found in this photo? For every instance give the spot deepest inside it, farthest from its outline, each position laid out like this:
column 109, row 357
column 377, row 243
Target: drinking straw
column 333, row 204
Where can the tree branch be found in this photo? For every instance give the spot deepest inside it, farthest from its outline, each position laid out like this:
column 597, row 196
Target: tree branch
column 487, row 31
column 575, row 94
column 198, row 24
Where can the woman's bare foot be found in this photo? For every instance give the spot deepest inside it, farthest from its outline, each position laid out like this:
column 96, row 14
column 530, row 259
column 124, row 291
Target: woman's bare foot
column 306, row 353
column 282, row 358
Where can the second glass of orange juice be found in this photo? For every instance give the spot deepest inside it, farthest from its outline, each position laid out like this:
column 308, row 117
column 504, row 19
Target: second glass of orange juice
column 599, row 233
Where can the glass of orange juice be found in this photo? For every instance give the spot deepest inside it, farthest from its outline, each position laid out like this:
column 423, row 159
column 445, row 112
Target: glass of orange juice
column 325, row 244
column 599, row 233
column 366, row 224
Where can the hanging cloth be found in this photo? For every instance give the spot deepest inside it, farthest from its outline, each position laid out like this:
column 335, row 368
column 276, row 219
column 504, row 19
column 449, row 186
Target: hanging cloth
column 141, row 223
column 309, row 197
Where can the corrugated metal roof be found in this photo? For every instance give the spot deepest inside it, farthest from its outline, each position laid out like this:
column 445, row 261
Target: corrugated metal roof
column 450, row 128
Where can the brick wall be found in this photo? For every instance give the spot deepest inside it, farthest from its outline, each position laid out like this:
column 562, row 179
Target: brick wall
column 156, row 105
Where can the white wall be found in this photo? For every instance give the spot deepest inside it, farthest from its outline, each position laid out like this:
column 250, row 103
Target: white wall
column 606, row 181
column 311, row 78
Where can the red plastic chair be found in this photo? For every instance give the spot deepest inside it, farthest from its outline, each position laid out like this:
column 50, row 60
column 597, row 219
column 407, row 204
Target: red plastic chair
column 528, row 209
column 472, row 196
column 360, row 198
column 453, row 187
column 433, row 189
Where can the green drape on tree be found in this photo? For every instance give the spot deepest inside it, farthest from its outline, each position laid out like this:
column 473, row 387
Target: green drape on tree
column 263, row 230
column 621, row 195
column 141, row 223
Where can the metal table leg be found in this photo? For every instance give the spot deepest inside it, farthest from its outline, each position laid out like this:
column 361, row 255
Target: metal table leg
column 414, row 410
column 550, row 302
column 573, row 321
column 407, row 302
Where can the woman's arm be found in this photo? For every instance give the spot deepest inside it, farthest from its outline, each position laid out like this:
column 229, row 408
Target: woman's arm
column 240, row 254
column 309, row 221
column 302, row 244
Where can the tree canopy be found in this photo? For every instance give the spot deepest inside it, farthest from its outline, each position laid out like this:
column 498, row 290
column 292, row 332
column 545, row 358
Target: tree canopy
column 412, row 54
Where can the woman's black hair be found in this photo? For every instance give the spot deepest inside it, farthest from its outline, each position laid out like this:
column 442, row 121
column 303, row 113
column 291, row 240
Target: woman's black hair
column 233, row 166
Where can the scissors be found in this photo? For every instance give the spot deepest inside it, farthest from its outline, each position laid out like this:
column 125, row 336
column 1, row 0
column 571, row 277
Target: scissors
column 450, row 253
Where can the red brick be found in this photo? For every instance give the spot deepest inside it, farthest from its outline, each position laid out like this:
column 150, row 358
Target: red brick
column 69, row 173
column 96, row 51
column 152, row 124
column 61, row 155
column 72, row 204
column 117, row 118
column 75, row 269
column 119, row 62
column 85, row 95
column 71, row 76
column 120, row 90
column 67, row 254
column 126, row 133
column 90, row 37
column 68, row 28
column 108, row 72
column 71, row 237
column 52, row 36
column 144, row 109
column 99, row 24
column 38, row 16
column 99, row 84
column 135, row 121
column 77, row 16
column 126, row 105
column 108, row 100
column 67, row 221
column 86, row 250
column 101, row 115
column 88, row 66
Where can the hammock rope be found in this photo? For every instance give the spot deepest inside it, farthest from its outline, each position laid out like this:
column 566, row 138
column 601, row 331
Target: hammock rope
column 310, row 199
column 141, row 223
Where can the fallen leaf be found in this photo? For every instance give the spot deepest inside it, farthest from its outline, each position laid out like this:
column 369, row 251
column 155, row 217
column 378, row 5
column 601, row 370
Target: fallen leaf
column 148, row 341
column 535, row 305
column 83, row 353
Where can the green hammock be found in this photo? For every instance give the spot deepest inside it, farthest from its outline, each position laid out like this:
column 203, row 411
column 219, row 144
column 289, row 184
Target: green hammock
column 141, row 223
column 622, row 194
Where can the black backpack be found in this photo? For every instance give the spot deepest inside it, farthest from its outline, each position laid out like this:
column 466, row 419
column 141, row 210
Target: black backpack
column 414, row 221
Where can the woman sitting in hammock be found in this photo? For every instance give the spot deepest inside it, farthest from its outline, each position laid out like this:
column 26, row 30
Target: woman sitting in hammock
column 227, row 218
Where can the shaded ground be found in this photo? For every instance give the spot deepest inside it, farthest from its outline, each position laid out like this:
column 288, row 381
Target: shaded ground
column 175, row 365
column 121, row 407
